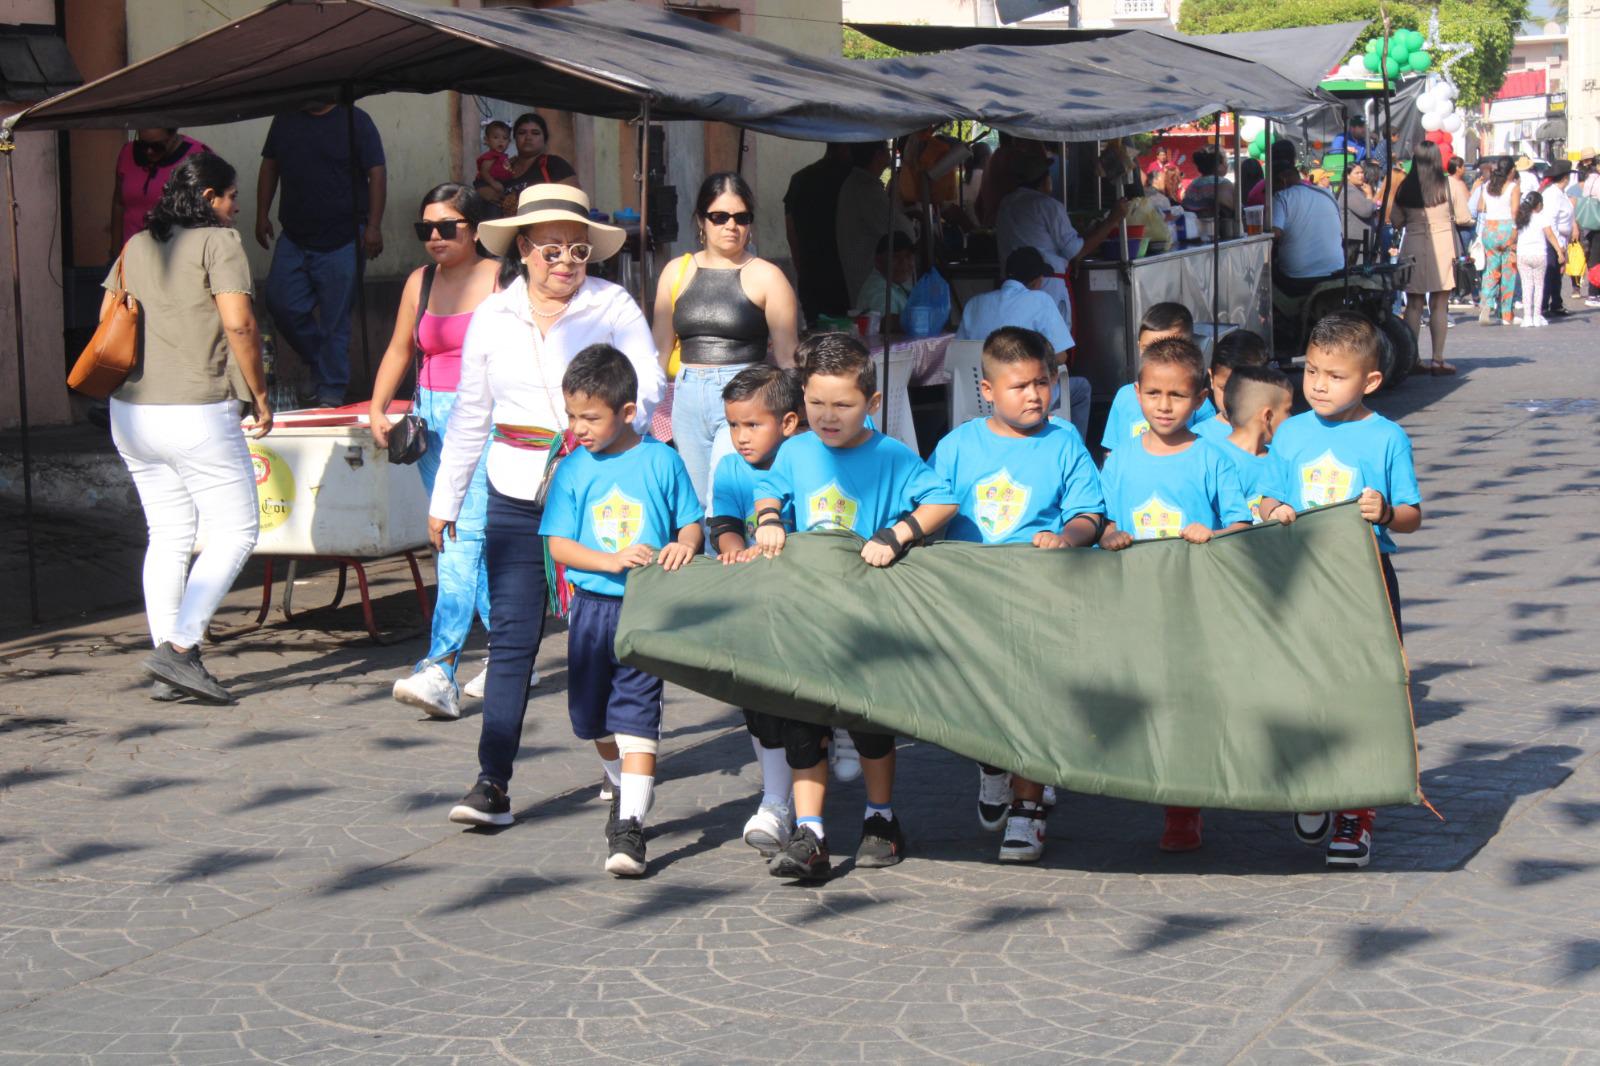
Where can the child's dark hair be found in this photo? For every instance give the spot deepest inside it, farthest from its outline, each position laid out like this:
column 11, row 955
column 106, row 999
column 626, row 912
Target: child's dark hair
column 1530, row 203
column 1160, row 318
column 490, row 127
column 1010, row 345
column 1239, row 348
column 1175, row 351
column 778, row 390
column 1249, row 389
column 1347, row 333
column 836, row 355
column 604, row 373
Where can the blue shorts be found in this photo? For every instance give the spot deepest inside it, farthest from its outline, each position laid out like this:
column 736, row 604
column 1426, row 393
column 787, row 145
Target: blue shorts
column 603, row 695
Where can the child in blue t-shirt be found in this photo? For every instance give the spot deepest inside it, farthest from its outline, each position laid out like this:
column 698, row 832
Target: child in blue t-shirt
column 762, row 404
column 843, row 475
column 610, row 503
column 1125, row 421
column 1239, row 348
column 1019, row 478
column 1169, row 483
column 1341, row 450
column 1258, row 400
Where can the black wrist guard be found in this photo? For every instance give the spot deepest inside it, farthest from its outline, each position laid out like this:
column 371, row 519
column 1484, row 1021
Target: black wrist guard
column 724, row 524
column 886, row 537
column 917, row 534
column 766, row 511
column 1099, row 521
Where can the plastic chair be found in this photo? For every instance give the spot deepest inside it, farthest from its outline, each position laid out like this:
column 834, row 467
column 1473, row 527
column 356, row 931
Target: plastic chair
column 964, row 361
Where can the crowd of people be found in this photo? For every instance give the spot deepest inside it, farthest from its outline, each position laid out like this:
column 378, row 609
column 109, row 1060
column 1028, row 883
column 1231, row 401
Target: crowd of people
column 538, row 381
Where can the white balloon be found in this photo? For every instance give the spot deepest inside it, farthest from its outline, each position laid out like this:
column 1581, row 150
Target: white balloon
column 1426, row 102
column 1453, row 123
column 1450, row 91
column 1249, row 126
column 1430, row 121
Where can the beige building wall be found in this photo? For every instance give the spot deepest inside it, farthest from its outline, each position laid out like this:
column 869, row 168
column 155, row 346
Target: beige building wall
column 1583, row 75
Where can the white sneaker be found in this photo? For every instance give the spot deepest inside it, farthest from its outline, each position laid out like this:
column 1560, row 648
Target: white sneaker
column 1525, row 322
column 476, row 686
column 1024, row 838
column 768, row 829
column 1541, row 321
column 843, row 759
column 994, row 799
column 431, row 689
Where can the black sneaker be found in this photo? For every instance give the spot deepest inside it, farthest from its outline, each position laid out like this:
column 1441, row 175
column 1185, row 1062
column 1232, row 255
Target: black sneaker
column 162, row 692
column 486, row 804
column 882, row 842
column 804, row 858
column 627, row 849
column 611, row 815
column 184, row 672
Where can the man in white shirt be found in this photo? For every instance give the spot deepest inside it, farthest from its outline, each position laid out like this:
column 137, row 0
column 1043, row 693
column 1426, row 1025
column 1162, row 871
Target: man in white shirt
column 1307, row 231
column 1021, row 301
column 864, row 213
column 1558, row 207
column 1029, row 217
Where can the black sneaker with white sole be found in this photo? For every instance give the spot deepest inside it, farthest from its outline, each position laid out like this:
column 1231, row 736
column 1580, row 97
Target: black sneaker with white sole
column 883, row 843
column 184, row 671
column 1311, row 828
column 803, row 858
column 486, row 804
column 626, row 846
column 994, row 798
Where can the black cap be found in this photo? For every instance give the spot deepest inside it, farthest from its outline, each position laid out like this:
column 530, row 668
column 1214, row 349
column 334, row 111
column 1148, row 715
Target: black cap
column 902, row 243
column 1025, row 264
column 1358, row 120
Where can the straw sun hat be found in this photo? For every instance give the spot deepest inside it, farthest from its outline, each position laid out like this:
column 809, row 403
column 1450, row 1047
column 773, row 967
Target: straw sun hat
column 551, row 203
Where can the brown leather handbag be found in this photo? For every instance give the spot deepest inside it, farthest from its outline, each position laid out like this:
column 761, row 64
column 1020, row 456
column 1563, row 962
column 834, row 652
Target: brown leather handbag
column 108, row 358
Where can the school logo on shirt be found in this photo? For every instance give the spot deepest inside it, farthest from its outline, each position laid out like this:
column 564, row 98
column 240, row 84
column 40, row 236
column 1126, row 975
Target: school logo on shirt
column 999, row 504
column 1138, row 429
column 617, row 520
column 1325, row 480
column 1255, row 509
column 1156, row 519
column 750, row 528
column 830, row 508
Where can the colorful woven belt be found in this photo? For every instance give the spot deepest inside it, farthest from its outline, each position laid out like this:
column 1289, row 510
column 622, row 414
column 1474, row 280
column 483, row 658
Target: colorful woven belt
column 527, row 438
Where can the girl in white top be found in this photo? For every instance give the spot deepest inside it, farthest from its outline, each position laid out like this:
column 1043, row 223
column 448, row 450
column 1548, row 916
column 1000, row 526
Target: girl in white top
column 1536, row 243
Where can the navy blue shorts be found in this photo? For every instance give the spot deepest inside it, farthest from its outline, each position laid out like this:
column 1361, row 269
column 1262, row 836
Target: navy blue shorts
column 603, row 695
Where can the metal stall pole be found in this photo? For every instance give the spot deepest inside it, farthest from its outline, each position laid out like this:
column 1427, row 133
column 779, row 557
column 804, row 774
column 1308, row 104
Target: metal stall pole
column 644, row 199
column 348, row 98
column 1266, row 228
column 1344, row 221
column 8, row 146
column 1216, row 231
column 888, row 290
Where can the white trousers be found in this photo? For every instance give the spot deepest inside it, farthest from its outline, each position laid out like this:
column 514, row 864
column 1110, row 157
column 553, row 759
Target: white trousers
column 191, row 465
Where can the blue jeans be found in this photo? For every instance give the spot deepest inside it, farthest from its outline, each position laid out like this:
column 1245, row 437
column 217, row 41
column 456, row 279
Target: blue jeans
column 515, row 554
column 310, row 295
column 700, row 424
column 463, row 586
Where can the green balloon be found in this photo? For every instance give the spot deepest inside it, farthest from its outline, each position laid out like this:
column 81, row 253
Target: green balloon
column 1391, row 67
column 1418, row 41
column 1256, row 152
column 1420, row 61
column 1374, row 46
column 1400, row 53
column 1372, row 62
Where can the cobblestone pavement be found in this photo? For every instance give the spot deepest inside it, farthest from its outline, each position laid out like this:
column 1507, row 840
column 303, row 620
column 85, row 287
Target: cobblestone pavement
column 276, row 882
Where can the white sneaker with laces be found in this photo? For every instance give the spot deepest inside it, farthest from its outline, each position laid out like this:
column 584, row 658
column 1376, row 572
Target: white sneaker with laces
column 843, row 759
column 1024, row 836
column 430, row 689
column 476, row 686
column 994, row 799
column 769, row 829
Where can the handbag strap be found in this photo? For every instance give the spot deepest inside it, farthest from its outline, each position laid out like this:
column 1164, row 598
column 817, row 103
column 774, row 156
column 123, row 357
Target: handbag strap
column 416, row 330
column 1450, row 199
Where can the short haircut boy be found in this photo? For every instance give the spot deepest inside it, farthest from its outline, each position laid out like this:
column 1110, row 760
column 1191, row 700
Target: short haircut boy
column 1349, row 334
column 1250, row 388
column 1175, row 351
column 777, row 389
column 1010, row 345
column 490, row 127
column 1239, row 348
column 604, row 373
column 1164, row 317
column 836, row 355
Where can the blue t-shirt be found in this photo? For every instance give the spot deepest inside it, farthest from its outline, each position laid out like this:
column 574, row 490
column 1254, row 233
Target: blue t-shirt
column 733, row 495
column 1126, row 419
column 314, row 186
column 1260, row 475
column 1214, row 429
column 611, row 502
column 1329, row 462
column 1009, row 488
column 1154, row 497
column 864, row 488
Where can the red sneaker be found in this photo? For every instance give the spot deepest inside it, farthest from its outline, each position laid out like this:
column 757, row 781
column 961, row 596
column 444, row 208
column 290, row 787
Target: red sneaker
column 1350, row 847
column 1183, row 829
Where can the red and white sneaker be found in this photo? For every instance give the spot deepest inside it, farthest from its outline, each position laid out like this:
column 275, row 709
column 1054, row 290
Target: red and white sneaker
column 1182, row 831
column 1350, row 846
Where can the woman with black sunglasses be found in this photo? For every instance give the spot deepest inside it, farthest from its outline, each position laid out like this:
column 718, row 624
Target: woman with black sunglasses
column 724, row 306
column 456, row 281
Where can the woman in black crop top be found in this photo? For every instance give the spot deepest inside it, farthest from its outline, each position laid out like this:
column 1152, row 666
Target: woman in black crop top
column 726, row 307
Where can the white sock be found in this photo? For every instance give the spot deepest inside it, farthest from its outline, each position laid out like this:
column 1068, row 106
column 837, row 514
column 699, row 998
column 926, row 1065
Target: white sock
column 886, row 811
column 613, row 769
column 635, row 796
column 777, row 780
column 813, row 824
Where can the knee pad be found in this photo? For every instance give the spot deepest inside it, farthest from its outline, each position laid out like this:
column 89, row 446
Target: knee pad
column 802, row 744
column 627, row 745
column 872, row 745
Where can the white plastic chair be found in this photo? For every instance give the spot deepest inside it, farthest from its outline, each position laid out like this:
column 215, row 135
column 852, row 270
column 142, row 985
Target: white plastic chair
column 964, row 361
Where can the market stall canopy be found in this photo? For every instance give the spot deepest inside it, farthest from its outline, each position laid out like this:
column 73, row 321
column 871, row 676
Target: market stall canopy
column 597, row 59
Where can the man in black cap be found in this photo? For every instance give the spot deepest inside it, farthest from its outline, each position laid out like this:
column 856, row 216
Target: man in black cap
column 1558, row 207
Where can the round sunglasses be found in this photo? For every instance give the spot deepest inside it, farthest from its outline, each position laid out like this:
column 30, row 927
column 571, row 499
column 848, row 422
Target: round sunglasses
column 445, row 227
column 720, row 218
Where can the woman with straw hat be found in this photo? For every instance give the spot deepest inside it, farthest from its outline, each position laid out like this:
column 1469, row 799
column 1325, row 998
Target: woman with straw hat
column 516, row 349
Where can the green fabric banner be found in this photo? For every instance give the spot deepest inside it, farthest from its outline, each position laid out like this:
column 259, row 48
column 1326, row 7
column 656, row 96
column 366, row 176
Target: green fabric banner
column 1261, row 671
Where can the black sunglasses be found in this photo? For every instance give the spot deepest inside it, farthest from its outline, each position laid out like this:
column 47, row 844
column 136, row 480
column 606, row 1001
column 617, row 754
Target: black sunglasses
column 445, row 227
column 720, row 218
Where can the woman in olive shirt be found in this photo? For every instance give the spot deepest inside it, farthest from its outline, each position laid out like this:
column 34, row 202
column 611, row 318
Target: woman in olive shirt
column 175, row 422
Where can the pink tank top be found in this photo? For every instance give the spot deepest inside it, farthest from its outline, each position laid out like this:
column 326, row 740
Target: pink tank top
column 441, row 337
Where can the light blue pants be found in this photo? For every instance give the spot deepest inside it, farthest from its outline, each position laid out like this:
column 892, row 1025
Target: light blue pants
column 700, row 424
column 310, row 295
column 463, row 576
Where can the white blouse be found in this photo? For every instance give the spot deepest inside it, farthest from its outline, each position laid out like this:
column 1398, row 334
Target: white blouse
column 510, row 374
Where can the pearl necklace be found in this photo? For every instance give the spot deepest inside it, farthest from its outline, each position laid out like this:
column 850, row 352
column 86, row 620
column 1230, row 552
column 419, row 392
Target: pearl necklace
column 547, row 314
